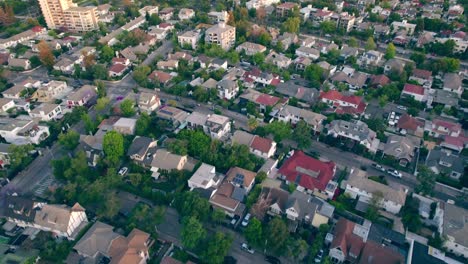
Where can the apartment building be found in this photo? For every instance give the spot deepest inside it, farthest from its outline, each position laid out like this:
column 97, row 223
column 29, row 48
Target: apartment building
column 68, row 15
column 222, row 35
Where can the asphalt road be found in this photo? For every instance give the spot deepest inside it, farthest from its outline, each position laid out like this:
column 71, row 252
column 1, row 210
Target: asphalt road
column 162, row 51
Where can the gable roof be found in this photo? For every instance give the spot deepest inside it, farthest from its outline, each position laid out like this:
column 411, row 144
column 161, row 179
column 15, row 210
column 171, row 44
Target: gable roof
column 240, row 176
column 56, row 217
column 345, row 239
column 374, row 253
column 139, row 146
column 128, row 249
column 413, row 89
column 96, row 240
column 307, row 171
column 262, row 144
column 409, row 123
column 422, row 74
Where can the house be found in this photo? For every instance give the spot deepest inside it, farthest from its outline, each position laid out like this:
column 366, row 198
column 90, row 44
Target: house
column 417, row 92
column 6, row 104
column 327, row 68
column 22, row 132
column 138, row 150
column 218, row 63
column 186, row 14
column 164, row 160
column 422, row 77
column 255, row 75
column 344, row 104
column 100, row 243
column 455, row 143
column 217, row 17
column 355, row 130
column 241, row 178
column 304, row 208
column 84, row 95
column 250, row 48
column 286, row 40
column 148, row 102
column 227, row 89
column 455, row 229
column 403, row 26
column 346, row 21
column 355, row 80
column 430, row 210
column 394, row 66
column 309, row 174
column 228, row 198
column 370, row 58
column 347, row 52
column 150, row 10
column 24, row 37
column 221, row 34
column 116, row 70
column 379, row 81
column 18, row 63
column 453, row 83
column 321, row 15
column 286, row 8
column 308, row 52
column 279, row 60
column 410, row 125
column 218, row 126
column 50, row 91
column 263, row 101
column 167, row 65
column 172, row 114
column 125, row 126
column 46, row 112
column 262, row 147
column 358, row 186
column 181, row 55
column 292, row 114
column 350, row 244
column 445, row 163
column 163, row 78
column 440, row 128
column 256, row 4
column 166, row 13
column 66, row 65
column 401, row 148
column 205, row 177
column 60, row 220
column 290, row 89
column 189, row 38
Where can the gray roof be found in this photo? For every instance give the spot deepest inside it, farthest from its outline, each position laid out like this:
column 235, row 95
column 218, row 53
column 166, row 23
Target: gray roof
column 139, row 146
column 242, row 138
column 20, row 208
column 291, row 89
column 306, row 205
column 356, row 128
column 437, row 156
column 395, row 65
column 452, row 81
column 456, row 223
column 238, row 194
column 197, row 118
column 445, row 97
column 4, row 148
column 227, row 84
column 165, row 160
column 309, row 117
column 96, row 240
column 401, row 147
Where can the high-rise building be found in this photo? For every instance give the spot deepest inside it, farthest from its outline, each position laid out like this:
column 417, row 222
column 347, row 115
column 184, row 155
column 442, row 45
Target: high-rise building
column 68, row 15
column 222, row 35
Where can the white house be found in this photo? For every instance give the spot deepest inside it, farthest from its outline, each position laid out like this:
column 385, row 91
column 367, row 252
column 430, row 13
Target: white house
column 46, row 112
column 227, row 89
column 205, row 177
column 189, row 38
column 22, row 132
column 455, row 229
column 359, row 186
column 6, row 104
column 417, row 92
column 308, row 52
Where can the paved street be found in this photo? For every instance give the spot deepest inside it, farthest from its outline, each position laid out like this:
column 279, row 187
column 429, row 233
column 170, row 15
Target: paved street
column 162, row 51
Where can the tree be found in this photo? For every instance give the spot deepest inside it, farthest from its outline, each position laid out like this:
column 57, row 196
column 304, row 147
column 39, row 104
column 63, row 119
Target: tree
column 297, row 249
column 110, row 208
column 314, row 73
column 418, row 58
column 19, row 155
column 370, row 44
column 276, row 235
column 372, row 212
column 113, row 147
column 90, row 126
column 410, row 214
column 327, row 27
column 190, row 204
column 217, row 248
column 217, row 216
column 69, row 140
column 127, row 107
column 258, row 58
column 292, row 25
column 254, row 233
column 143, row 124
column 145, row 217
column 353, row 42
column 99, row 72
column 390, row 53
column 45, row 54
column 427, row 180
column 101, row 89
column 302, row 135
column 279, row 130
column 252, row 123
column 88, row 60
column 154, row 20
column 102, row 103
column 140, row 74
column 192, row 233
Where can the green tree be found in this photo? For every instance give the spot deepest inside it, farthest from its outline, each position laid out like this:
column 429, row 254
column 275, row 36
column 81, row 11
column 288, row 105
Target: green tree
column 327, row 27
column 254, row 233
column 69, row 140
column 302, row 135
column 291, row 25
column 390, row 52
column 110, row 208
column 252, row 123
column 99, row 72
column 276, row 235
column 113, row 147
column 146, row 218
column 427, row 180
column 217, row 248
column 107, row 53
column 217, row 216
column 19, row 155
column 372, row 212
column 127, row 107
column 101, row 89
column 279, row 130
column 314, row 73
column 90, row 126
column 353, row 42
column 143, row 125
column 140, row 74
column 297, row 249
column 370, row 44
column 410, row 215
column 102, row 103
column 190, row 204
column 192, row 233
column 258, row 58
column 418, row 58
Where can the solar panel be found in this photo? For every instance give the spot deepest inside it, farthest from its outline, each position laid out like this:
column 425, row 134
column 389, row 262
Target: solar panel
column 238, row 179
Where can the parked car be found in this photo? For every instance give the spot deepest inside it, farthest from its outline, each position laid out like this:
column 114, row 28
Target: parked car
column 245, row 222
column 402, row 107
column 378, row 166
column 272, row 259
column 246, row 247
column 319, row 256
column 234, row 220
column 123, row 171
column 394, row 173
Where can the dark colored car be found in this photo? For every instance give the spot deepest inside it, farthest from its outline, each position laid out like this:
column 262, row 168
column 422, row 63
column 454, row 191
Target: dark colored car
column 272, row 259
column 230, row 260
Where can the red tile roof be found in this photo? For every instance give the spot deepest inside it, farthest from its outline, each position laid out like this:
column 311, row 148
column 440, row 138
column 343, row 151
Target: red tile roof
column 455, row 141
column 266, row 99
column 380, row 79
column 345, row 239
column 262, row 144
column 37, row 29
column 413, row 89
column 453, row 127
column 117, row 68
column 287, row 5
column 163, row 77
column 409, row 123
column 374, row 253
column 307, row 171
column 332, row 95
column 422, row 74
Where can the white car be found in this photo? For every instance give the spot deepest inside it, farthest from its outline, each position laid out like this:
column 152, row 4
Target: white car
column 246, row 247
column 401, row 107
column 245, row 222
column 378, row 166
column 394, row 173
column 123, row 171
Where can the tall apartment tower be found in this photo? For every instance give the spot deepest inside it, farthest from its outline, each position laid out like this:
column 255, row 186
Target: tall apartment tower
column 68, row 15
